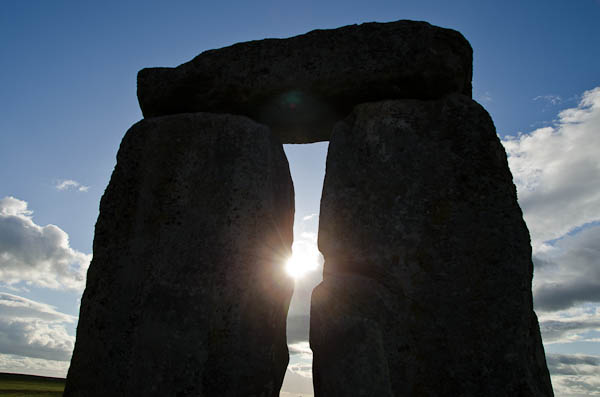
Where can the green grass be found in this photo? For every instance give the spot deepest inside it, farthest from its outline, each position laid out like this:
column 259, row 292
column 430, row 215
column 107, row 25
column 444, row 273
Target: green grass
column 15, row 385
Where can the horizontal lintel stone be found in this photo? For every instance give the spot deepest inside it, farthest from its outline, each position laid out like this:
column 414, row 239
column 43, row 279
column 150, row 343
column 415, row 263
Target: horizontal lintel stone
column 301, row 86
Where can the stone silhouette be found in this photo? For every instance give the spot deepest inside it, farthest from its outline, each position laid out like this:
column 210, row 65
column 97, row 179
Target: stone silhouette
column 428, row 268
column 427, row 276
column 185, row 294
column 302, row 85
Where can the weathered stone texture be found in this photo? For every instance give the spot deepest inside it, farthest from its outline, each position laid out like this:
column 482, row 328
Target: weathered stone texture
column 301, row 86
column 427, row 276
column 185, row 295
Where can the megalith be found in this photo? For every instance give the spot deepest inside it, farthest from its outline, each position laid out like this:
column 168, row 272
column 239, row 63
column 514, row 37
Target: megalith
column 186, row 294
column 303, row 85
column 427, row 275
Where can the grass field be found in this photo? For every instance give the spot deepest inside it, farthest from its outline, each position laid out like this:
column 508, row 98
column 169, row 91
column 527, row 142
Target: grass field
column 14, row 385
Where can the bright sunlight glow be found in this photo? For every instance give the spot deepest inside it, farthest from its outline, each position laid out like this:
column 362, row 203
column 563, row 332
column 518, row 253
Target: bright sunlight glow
column 304, row 259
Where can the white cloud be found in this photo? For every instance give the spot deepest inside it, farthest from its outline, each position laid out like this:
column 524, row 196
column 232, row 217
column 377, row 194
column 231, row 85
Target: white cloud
column 302, row 349
column 310, row 217
column 296, row 385
column 574, row 375
column 568, row 331
column 33, row 329
column 18, row 307
column 70, row 184
column 35, row 338
column 37, row 255
column 311, row 237
column 10, row 206
column 557, row 171
column 573, row 364
column 571, row 325
column 33, row 366
column 552, row 99
column 302, row 368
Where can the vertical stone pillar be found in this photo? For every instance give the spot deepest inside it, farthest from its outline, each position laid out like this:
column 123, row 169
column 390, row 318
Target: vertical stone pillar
column 185, row 294
column 427, row 276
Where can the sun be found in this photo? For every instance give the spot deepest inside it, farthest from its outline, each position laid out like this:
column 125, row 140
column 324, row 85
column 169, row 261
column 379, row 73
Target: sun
column 304, row 259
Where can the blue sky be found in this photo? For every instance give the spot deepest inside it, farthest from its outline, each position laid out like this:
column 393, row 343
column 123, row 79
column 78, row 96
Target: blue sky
column 68, row 94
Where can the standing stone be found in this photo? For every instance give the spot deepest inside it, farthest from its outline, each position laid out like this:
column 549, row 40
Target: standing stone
column 185, row 294
column 427, row 276
column 301, row 86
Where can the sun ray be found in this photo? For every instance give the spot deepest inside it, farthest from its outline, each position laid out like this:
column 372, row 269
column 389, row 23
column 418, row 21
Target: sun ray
column 304, row 259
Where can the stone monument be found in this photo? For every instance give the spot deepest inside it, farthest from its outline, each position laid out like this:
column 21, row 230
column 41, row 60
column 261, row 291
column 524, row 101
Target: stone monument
column 427, row 275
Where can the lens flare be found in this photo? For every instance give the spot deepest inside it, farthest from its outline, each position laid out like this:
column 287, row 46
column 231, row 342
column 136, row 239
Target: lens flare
column 303, row 260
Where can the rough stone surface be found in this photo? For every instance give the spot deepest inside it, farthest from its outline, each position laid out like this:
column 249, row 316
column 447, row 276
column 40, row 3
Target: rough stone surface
column 185, row 294
column 302, row 85
column 427, row 276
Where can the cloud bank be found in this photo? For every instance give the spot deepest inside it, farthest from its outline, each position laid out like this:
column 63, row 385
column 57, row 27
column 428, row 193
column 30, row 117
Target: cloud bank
column 37, row 255
column 557, row 171
column 573, row 325
column 575, row 375
column 295, row 385
column 32, row 329
column 33, row 366
column 568, row 274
